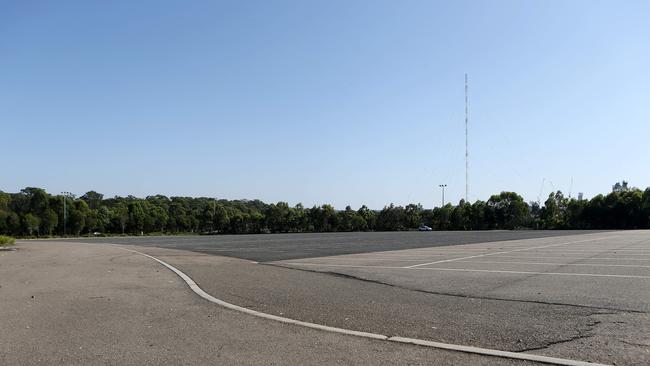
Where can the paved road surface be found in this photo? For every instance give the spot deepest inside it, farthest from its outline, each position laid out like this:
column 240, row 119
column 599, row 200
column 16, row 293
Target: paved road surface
column 274, row 247
column 582, row 296
column 72, row 304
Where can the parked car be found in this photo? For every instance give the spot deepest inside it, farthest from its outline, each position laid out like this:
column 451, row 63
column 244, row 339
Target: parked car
column 424, row 228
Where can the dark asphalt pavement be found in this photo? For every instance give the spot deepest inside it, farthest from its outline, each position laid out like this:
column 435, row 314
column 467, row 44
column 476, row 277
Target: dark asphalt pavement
column 580, row 295
column 275, row 247
column 72, row 304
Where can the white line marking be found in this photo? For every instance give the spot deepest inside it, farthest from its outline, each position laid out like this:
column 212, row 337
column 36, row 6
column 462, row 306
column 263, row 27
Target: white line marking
column 385, row 259
column 556, row 250
column 448, row 346
column 496, row 353
column 390, row 255
column 535, row 273
column 611, row 252
column 468, row 270
column 506, row 252
column 410, row 257
column 560, row 264
column 567, row 257
column 340, row 265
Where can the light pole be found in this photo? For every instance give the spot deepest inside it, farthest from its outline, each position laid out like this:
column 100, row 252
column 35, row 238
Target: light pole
column 65, row 213
column 443, row 193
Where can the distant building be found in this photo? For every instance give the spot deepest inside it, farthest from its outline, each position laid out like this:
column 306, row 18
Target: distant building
column 580, row 196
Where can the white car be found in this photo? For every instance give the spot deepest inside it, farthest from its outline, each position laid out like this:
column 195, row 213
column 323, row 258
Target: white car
column 424, row 228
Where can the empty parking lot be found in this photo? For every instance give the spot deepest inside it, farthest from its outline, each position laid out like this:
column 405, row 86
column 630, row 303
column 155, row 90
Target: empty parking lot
column 576, row 295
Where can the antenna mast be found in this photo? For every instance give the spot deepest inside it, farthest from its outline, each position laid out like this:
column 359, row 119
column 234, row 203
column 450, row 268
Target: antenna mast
column 466, row 146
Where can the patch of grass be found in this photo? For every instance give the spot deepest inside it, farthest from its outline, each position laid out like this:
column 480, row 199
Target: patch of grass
column 6, row 241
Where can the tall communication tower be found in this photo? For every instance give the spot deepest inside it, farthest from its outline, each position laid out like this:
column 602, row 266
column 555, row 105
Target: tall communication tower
column 466, row 143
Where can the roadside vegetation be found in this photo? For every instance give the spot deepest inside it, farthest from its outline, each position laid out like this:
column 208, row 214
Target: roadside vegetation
column 34, row 213
column 6, row 241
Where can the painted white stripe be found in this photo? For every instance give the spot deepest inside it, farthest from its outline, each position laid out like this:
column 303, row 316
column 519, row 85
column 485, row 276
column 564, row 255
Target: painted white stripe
column 435, row 250
column 420, row 342
column 506, row 252
column 559, row 264
column 535, row 273
column 496, row 353
column 467, row 270
column 389, row 255
column 409, row 257
column 609, row 252
column 570, row 257
column 382, row 259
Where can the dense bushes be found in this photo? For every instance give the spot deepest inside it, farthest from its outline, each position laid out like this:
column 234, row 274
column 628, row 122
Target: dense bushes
column 6, row 241
column 34, row 212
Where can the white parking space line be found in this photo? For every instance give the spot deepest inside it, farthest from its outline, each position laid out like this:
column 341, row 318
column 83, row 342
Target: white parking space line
column 613, row 251
column 571, row 257
column 384, row 259
column 559, row 264
column 509, row 251
column 533, row 272
column 363, row 255
column 470, row 270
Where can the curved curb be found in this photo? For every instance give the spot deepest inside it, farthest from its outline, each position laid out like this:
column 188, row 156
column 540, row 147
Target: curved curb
column 420, row 342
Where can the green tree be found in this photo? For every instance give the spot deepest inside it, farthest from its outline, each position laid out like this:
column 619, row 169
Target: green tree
column 32, row 223
column 509, row 210
column 136, row 217
column 368, row 216
column 413, row 215
column 554, row 211
column 221, row 218
column 50, row 221
column 77, row 214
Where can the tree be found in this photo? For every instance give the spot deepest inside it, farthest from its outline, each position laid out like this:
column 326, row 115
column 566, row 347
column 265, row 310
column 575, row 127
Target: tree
column 368, row 216
column 50, row 221
column 32, row 223
column 509, row 210
column 136, row 217
column 619, row 187
column 554, row 211
column 33, row 211
column 93, row 199
column 478, row 215
column 413, row 215
column 221, row 218
column 120, row 216
column 77, row 214
column 461, row 216
column 350, row 220
column 392, row 218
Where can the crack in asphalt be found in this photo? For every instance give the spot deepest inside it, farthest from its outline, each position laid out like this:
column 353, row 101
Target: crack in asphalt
column 553, row 343
column 353, row 277
column 634, row 344
column 580, row 335
column 541, row 344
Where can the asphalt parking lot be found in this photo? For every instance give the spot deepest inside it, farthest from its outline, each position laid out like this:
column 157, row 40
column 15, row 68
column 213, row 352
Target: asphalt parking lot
column 274, row 247
column 581, row 296
column 609, row 269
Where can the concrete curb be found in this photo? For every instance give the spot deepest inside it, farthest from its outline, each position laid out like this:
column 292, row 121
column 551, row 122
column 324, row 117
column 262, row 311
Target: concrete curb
column 419, row 342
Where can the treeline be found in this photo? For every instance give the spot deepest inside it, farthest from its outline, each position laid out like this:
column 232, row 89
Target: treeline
column 34, row 213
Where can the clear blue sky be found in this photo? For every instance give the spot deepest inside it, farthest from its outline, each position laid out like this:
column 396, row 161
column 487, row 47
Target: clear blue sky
column 342, row 102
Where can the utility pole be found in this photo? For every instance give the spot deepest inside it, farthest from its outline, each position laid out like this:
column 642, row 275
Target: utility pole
column 443, row 193
column 466, row 143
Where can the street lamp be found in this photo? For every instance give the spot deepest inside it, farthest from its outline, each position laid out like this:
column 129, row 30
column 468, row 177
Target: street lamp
column 65, row 213
column 443, row 193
